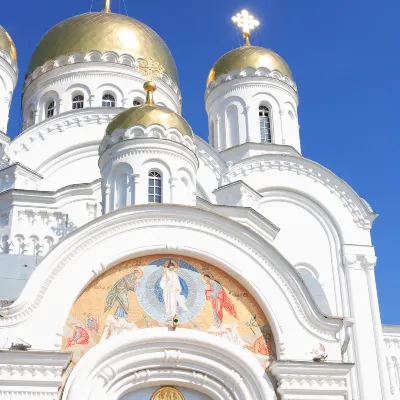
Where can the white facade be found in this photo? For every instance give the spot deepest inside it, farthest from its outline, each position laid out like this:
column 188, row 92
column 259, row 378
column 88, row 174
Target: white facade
column 74, row 204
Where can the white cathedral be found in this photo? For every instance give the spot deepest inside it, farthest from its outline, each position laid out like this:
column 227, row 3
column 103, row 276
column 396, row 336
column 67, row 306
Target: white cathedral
column 139, row 262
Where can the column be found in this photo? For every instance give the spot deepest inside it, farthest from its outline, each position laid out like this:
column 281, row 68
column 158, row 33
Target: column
column 172, row 183
column 246, row 115
column 281, row 113
column 92, row 100
column 369, row 263
column 392, row 379
column 107, row 199
column 136, row 192
column 367, row 366
column 60, row 107
column 218, row 134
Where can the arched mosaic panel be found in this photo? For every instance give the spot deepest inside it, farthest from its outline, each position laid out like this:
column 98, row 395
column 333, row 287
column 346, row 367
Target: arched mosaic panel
column 155, row 291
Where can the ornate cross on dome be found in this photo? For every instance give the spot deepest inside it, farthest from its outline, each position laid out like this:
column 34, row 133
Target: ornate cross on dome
column 152, row 69
column 247, row 22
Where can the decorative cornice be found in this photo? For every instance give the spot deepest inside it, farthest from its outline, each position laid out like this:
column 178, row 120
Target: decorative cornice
column 131, row 151
column 60, row 123
column 31, row 374
column 361, row 214
column 250, row 72
column 92, row 56
column 311, row 378
column 154, row 131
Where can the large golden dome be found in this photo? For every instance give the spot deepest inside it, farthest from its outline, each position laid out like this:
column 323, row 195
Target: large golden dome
column 7, row 44
column 149, row 114
column 248, row 56
column 103, row 32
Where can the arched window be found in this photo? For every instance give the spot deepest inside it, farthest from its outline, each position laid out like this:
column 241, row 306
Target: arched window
column 265, row 124
column 51, row 108
column 77, row 102
column 108, row 100
column 155, row 187
column 136, row 103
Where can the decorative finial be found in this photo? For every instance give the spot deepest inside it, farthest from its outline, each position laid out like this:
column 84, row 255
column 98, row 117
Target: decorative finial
column 107, row 6
column 152, row 69
column 247, row 22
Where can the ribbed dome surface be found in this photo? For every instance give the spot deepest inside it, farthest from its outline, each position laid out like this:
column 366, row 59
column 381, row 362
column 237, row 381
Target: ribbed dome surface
column 7, row 44
column 103, row 32
column 248, row 56
column 150, row 114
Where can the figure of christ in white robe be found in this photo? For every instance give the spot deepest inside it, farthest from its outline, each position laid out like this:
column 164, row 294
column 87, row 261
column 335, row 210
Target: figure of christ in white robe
column 172, row 292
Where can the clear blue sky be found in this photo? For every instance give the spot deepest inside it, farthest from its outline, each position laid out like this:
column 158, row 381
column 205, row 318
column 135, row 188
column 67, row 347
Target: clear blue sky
column 344, row 55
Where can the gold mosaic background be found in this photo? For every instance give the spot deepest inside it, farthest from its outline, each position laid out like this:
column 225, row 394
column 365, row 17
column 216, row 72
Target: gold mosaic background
column 243, row 321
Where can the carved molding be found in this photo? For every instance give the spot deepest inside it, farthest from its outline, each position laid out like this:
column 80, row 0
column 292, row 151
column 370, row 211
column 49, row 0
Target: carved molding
column 157, row 357
column 154, row 131
column 362, row 216
column 249, row 72
column 60, row 123
column 323, row 380
column 31, row 374
column 92, row 56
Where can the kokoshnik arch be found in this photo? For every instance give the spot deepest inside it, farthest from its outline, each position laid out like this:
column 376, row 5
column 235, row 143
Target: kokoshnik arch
column 140, row 262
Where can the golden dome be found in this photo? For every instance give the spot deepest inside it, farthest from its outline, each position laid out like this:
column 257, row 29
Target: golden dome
column 248, row 56
column 103, row 31
column 149, row 114
column 7, row 44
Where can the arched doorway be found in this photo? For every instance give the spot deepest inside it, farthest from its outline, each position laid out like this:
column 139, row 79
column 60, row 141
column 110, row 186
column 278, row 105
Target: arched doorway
column 157, row 357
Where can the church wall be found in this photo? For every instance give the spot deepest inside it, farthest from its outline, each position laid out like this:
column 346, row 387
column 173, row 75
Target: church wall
column 307, row 244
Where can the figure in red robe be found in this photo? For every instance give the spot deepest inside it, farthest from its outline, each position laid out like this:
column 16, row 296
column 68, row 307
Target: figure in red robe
column 219, row 300
column 80, row 337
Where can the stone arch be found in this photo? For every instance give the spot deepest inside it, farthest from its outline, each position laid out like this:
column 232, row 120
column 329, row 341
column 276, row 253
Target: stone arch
column 147, row 230
column 184, row 357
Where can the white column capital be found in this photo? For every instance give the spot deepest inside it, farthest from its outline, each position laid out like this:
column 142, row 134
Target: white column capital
column 369, row 262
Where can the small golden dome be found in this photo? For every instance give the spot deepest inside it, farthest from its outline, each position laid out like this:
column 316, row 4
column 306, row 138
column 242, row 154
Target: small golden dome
column 103, row 31
column 7, row 44
column 248, row 56
column 149, row 114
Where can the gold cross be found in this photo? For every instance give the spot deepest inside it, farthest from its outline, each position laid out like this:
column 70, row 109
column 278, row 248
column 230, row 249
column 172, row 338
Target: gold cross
column 150, row 68
column 247, row 22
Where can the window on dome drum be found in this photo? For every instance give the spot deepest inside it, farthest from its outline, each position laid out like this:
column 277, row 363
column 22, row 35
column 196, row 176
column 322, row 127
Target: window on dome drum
column 108, row 100
column 51, row 109
column 155, row 187
column 77, row 102
column 136, row 103
column 265, row 124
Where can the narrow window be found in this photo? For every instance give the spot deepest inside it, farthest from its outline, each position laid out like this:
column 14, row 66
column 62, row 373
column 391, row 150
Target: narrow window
column 265, row 124
column 108, row 100
column 77, row 102
column 51, row 109
column 154, row 187
column 136, row 103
